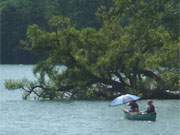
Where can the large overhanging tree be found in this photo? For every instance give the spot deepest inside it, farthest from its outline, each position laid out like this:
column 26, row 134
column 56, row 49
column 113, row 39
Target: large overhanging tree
column 123, row 55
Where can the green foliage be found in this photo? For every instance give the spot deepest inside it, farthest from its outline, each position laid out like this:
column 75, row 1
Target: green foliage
column 172, row 80
column 119, row 55
column 16, row 15
column 13, row 84
column 133, row 51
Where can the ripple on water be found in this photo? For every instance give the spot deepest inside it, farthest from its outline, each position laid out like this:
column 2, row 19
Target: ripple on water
column 19, row 117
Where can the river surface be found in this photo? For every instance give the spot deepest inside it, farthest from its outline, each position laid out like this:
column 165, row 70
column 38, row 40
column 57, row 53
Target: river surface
column 20, row 117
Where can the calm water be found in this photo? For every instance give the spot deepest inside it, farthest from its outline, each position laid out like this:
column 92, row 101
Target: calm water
column 19, row 117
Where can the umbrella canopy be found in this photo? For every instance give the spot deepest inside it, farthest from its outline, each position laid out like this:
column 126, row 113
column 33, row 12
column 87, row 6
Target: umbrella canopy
column 123, row 99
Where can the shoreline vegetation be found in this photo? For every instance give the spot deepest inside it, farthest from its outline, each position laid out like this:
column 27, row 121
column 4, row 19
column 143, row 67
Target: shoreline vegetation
column 134, row 49
column 32, row 91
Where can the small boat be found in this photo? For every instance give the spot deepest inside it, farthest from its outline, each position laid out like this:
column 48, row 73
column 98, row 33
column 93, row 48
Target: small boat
column 142, row 117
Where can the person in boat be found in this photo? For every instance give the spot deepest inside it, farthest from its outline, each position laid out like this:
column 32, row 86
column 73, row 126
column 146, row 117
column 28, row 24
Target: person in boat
column 134, row 107
column 150, row 108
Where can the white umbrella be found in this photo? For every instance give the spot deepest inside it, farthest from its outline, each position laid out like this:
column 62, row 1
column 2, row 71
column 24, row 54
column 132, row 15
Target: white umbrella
column 123, row 99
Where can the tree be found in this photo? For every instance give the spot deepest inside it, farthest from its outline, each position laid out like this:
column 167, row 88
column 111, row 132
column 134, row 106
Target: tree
column 128, row 49
column 16, row 15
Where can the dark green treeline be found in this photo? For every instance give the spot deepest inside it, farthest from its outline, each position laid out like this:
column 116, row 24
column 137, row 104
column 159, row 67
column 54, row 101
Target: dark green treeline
column 16, row 15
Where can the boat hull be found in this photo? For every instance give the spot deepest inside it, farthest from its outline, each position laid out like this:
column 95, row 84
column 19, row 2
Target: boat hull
column 141, row 117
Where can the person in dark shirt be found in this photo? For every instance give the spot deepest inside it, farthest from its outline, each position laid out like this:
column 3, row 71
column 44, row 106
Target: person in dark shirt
column 133, row 106
column 150, row 108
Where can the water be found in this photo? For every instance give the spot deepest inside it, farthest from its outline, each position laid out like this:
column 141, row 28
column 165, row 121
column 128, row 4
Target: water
column 19, row 117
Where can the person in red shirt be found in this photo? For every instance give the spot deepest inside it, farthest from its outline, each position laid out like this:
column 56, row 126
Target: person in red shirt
column 133, row 106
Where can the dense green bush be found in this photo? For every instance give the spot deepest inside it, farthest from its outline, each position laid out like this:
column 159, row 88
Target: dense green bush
column 13, row 84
